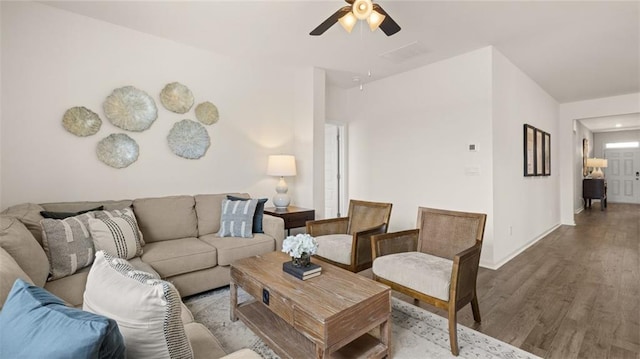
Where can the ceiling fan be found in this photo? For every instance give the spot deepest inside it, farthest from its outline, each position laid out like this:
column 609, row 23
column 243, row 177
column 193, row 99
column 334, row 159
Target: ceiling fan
column 347, row 16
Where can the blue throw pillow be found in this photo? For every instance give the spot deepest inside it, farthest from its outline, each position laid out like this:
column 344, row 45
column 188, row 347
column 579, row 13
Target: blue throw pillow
column 36, row 324
column 257, row 215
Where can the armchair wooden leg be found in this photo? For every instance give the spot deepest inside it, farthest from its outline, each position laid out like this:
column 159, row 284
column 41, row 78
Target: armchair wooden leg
column 475, row 308
column 416, row 302
column 453, row 329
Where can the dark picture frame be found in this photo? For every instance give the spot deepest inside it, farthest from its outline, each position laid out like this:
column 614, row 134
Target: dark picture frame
column 539, row 160
column 546, row 154
column 529, row 150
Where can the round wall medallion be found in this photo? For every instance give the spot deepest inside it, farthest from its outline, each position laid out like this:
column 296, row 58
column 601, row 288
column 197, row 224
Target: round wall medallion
column 117, row 150
column 81, row 121
column 176, row 97
column 188, row 139
column 130, row 109
column 207, row 113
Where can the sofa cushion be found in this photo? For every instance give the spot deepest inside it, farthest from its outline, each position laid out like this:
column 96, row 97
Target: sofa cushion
column 233, row 248
column 178, row 256
column 236, row 219
column 147, row 309
column 209, row 208
column 9, row 272
column 165, row 218
column 119, row 213
column 29, row 215
column 118, row 236
column 67, row 243
column 37, row 324
column 70, row 288
column 257, row 215
column 203, row 343
column 18, row 241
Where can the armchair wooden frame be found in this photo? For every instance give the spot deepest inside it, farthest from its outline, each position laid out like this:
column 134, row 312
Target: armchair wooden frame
column 465, row 264
column 361, row 232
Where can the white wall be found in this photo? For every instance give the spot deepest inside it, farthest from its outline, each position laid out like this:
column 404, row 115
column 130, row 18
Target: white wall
column 524, row 208
column 608, row 106
column 408, row 138
column 580, row 133
column 602, row 138
column 53, row 60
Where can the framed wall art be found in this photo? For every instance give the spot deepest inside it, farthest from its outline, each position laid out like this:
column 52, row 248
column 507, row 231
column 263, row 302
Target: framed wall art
column 539, row 161
column 547, row 154
column 529, row 150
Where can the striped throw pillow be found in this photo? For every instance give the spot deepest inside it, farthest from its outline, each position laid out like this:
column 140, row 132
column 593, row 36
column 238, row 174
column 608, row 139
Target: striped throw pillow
column 147, row 309
column 118, row 236
column 236, row 219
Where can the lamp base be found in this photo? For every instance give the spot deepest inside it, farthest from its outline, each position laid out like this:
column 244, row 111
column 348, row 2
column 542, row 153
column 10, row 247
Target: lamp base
column 281, row 200
column 597, row 174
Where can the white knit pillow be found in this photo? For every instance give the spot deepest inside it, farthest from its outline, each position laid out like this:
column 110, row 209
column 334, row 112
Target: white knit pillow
column 147, row 309
column 117, row 236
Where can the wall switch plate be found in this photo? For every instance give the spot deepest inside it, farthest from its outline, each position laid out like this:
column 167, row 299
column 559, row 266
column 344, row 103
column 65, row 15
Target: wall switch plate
column 472, row 171
column 265, row 296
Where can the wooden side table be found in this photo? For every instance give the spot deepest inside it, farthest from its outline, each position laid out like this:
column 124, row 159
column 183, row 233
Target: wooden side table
column 293, row 217
column 594, row 188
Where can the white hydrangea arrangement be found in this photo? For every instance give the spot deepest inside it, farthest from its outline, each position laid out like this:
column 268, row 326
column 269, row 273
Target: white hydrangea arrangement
column 298, row 244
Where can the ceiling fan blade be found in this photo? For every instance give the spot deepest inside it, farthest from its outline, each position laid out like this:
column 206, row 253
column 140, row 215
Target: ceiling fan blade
column 330, row 21
column 388, row 25
column 350, row 1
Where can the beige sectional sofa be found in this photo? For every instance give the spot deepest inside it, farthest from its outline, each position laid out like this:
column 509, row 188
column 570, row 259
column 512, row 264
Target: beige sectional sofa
column 181, row 246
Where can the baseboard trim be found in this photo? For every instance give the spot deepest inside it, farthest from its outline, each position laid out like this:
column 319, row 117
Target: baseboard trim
column 517, row 252
column 578, row 210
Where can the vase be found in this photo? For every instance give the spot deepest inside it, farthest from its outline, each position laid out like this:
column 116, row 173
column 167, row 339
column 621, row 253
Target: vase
column 303, row 261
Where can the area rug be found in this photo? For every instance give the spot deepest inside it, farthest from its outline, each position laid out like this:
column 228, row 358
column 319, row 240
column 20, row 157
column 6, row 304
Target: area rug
column 416, row 333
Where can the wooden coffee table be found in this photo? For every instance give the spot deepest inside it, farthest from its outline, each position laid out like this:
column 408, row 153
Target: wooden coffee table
column 328, row 316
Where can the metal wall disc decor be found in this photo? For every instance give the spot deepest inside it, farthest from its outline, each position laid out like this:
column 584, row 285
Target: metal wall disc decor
column 207, row 113
column 188, row 139
column 81, row 121
column 176, row 97
column 130, row 109
column 117, row 150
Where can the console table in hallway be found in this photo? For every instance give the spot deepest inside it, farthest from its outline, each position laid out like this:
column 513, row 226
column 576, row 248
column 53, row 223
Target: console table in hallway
column 594, row 188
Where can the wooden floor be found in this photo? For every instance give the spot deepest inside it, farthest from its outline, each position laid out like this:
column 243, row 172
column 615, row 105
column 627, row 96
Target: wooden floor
column 574, row 294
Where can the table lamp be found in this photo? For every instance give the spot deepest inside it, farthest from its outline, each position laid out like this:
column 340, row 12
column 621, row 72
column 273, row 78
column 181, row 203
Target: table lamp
column 281, row 165
column 597, row 164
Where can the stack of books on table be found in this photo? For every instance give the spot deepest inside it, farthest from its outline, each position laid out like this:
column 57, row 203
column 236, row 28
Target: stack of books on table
column 304, row 273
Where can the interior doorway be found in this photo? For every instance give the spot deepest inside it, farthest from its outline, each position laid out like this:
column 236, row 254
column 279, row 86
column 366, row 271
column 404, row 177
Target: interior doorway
column 334, row 171
column 623, row 175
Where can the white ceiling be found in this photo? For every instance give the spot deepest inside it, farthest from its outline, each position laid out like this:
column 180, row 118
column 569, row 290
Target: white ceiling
column 629, row 121
column 574, row 50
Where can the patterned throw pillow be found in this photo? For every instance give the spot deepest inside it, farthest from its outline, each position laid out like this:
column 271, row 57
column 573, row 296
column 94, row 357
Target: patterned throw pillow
column 68, row 245
column 119, row 213
column 257, row 215
column 147, row 309
column 118, row 236
column 236, row 219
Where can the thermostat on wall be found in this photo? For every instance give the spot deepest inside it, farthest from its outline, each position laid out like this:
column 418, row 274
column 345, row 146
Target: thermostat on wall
column 473, row 147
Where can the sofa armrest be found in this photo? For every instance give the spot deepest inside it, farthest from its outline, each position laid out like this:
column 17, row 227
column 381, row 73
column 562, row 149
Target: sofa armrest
column 274, row 227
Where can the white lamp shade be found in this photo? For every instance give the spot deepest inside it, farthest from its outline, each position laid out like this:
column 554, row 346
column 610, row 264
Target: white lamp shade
column 348, row 21
column 281, row 165
column 362, row 9
column 375, row 19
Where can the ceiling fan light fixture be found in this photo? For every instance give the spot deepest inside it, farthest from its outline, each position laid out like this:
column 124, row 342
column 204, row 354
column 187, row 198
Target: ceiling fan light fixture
column 348, row 21
column 375, row 19
column 362, row 9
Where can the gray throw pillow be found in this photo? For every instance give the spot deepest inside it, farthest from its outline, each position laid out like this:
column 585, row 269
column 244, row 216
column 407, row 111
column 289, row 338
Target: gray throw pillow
column 236, row 219
column 67, row 243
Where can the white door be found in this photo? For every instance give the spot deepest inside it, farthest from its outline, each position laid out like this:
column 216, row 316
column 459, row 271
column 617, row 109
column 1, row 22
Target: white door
column 623, row 175
column 334, row 169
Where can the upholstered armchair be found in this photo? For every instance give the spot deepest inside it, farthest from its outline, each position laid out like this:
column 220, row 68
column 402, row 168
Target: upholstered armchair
column 436, row 263
column 346, row 241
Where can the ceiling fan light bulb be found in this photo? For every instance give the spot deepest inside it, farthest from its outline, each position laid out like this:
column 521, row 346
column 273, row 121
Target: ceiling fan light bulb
column 375, row 19
column 362, row 9
column 348, row 21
